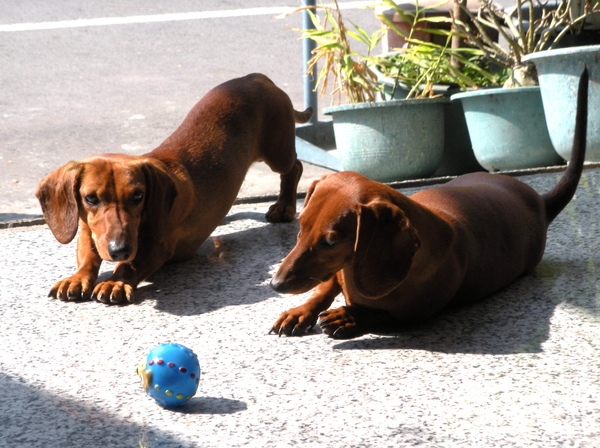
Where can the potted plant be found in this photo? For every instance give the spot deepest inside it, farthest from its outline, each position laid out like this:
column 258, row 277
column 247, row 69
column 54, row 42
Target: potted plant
column 445, row 69
column 516, row 137
column 385, row 140
column 373, row 137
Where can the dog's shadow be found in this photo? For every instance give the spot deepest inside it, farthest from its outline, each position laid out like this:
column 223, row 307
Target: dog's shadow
column 233, row 267
column 514, row 320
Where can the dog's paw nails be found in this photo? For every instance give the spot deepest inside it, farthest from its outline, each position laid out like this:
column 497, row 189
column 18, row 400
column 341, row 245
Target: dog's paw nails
column 340, row 333
column 73, row 296
column 130, row 298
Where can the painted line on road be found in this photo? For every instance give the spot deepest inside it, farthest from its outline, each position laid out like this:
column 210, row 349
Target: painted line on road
column 171, row 17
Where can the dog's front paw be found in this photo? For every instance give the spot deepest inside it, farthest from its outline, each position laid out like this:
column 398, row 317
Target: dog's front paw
column 340, row 323
column 294, row 322
column 76, row 287
column 281, row 212
column 112, row 291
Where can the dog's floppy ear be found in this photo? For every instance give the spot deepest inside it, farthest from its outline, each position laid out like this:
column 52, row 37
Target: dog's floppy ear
column 311, row 189
column 161, row 192
column 58, row 197
column 385, row 245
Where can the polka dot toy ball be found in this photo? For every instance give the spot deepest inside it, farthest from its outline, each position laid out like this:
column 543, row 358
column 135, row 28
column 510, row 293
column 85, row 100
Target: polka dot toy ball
column 170, row 374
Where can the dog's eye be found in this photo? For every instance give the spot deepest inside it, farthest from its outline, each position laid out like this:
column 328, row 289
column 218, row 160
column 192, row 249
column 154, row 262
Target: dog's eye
column 92, row 199
column 328, row 242
column 138, row 196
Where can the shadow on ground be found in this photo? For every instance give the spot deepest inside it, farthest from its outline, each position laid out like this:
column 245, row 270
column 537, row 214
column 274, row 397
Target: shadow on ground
column 514, row 320
column 80, row 423
column 231, row 268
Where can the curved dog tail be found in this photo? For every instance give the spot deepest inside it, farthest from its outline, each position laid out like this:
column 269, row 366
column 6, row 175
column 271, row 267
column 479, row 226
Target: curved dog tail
column 558, row 198
column 303, row 117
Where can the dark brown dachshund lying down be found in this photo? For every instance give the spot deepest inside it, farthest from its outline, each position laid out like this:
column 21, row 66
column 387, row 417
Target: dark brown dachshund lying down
column 144, row 211
column 401, row 259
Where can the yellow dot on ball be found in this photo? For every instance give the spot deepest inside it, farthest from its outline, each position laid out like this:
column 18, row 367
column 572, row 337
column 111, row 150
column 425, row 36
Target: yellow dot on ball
column 179, row 396
column 156, row 387
column 168, row 392
column 188, row 397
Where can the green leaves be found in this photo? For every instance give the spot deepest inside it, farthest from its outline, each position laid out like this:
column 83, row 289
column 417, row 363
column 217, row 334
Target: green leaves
column 419, row 65
column 532, row 26
column 344, row 70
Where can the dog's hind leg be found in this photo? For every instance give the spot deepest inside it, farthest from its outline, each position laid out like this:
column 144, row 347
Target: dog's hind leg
column 284, row 208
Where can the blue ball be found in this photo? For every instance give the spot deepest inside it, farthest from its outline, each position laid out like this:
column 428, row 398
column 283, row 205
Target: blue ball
column 170, row 374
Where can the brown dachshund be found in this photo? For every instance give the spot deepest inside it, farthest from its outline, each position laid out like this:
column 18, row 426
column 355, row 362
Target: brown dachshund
column 147, row 210
column 401, row 259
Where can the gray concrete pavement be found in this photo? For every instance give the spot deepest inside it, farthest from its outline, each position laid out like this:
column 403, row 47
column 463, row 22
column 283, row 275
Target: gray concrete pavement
column 71, row 92
column 520, row 369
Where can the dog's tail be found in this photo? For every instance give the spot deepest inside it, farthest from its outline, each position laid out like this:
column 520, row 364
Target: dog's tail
column 563, row 192
column 303, row 117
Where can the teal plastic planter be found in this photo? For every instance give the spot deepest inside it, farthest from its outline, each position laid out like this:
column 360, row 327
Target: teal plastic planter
column 559, row 72
column 458, row 155
column 392, row 140
column 508, row 128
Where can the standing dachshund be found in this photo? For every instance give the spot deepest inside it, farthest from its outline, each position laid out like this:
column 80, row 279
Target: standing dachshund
column 145, row 211
column 403, row 259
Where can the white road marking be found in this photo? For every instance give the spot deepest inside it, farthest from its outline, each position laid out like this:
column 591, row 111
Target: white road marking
column 171, row 17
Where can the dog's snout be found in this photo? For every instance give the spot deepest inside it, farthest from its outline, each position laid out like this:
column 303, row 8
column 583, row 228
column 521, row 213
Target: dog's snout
column 119, row 251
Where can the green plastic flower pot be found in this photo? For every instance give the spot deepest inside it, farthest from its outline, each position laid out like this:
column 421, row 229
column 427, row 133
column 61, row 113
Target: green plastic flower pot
column 508, row 128
column 392, row 140
column 559, row 72
column 458, row 155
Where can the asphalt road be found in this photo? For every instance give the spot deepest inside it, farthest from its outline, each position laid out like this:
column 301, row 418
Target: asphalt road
column 69, row 90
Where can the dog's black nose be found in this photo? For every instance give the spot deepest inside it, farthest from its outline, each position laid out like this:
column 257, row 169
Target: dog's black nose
column 278, row 285
column 119, row 251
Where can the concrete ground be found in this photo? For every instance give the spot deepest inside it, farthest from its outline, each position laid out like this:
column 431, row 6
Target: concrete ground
column 520, row 369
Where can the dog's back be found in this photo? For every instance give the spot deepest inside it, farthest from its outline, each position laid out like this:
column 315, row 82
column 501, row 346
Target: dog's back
column 499, row 224
column 481, row 204
column 226, row 125
column 237, row 123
